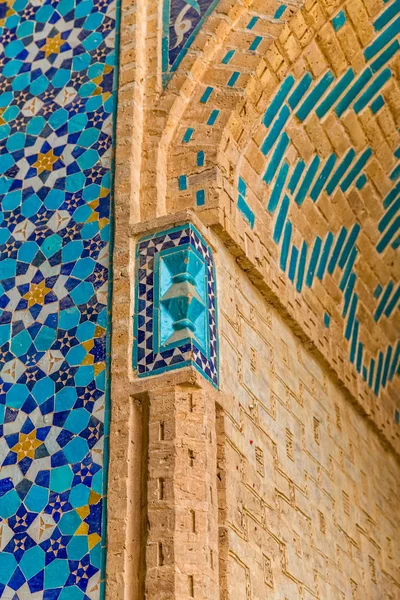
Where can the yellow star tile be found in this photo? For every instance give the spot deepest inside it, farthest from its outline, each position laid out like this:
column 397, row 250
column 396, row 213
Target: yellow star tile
column 53, row 45
column 26, row 445
column 36, row 294
column 45, row 161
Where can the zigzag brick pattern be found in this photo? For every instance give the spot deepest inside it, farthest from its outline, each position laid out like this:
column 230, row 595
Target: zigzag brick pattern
column 318, row 178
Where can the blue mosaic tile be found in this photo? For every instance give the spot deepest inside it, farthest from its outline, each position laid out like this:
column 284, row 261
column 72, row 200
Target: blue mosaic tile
column 182, row 19
column 57, row 98
column 175, row 304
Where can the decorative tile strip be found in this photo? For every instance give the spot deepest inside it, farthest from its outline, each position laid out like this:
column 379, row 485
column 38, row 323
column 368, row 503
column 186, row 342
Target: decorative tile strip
column 175, row 321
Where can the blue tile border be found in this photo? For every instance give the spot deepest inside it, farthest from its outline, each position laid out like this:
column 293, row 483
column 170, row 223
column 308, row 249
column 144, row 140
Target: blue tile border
column 182, row 20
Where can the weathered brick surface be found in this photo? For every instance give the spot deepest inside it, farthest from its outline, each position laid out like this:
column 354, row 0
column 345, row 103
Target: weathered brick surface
column 303, row 509
column 306, row 42
column 307, row 493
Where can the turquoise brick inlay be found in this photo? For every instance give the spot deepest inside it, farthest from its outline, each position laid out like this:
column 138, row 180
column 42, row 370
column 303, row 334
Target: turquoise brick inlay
column 242, row 204
column 200, row 198
column 255, row 43
column 58, row 96
column 175, row 304
column 228, row 57
column 188, row 135
column 280, row 11
column 213, row 117
column 253, row 22
column 206, row 95
column 233, row 79
column 182, row 20
column 339, row 20
column 183, row 182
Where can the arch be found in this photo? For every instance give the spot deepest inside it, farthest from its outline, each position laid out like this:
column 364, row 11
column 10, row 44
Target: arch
column 312, row 102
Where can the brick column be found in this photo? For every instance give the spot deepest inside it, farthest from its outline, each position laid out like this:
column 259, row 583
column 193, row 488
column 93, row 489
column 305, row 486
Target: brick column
column 182, row 536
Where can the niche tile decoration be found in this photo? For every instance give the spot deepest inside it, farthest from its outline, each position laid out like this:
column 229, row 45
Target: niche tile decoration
column 57, row 99
column 182, row 20
column 175, row 310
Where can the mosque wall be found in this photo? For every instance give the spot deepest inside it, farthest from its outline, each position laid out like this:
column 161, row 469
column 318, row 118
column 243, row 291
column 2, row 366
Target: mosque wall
column 57, row 102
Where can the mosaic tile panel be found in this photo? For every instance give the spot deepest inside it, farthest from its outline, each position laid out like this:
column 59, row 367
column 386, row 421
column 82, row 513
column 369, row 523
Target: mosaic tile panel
column 57, row 101
column 182, row 19
column 175, row 312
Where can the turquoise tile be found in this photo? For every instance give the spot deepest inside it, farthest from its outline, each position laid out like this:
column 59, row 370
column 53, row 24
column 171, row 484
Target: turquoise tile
column 56, row 573
column 69, row 523
column 61, row 478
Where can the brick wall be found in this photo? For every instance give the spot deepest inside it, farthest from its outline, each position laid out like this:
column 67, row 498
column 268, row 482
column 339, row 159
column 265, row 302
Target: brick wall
column 304, row 512
column 307, row 493
column 288, row 147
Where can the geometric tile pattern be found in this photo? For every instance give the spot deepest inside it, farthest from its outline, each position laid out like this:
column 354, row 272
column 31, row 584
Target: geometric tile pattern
column 56, row 111
column 182, row 19
column 175, row 311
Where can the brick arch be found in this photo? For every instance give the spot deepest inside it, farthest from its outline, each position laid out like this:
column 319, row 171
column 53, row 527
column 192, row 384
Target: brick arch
column 221, row 163
column 166, row 105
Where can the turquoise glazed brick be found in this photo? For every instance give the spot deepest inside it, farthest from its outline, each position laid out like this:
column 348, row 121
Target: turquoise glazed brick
column 246, row 211
column 300, row 91
column 387, row 15
column 213, row 117
column 228, row 57
column 253, row 22
column 361, row 181
column 183, row 182
column 307, row 181
column 339, row 20
column 278, row 188
column 276, row 157
column 293, row 263
column 313, row 261
column 200, row 198
column 278, row 100
column 233, row 79
column 314, row 96
column 255, row 43
column 296, row 175
column 280, row 11
column 242, row 204
column 200, row 159
column 286, row 245
column 206, row 95
column 188, row 135
column 302, row 266
column 175, row 304
column 281, row 218
column 393, row 303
